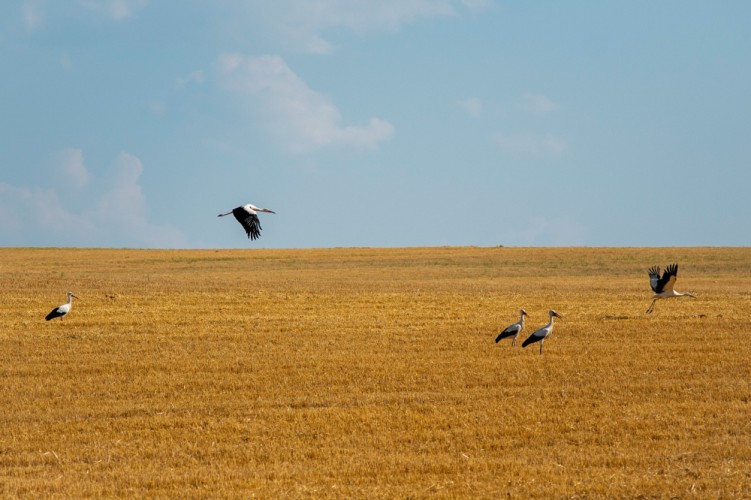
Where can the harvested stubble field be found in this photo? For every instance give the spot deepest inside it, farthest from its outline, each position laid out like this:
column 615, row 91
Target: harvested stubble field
column 373, row 372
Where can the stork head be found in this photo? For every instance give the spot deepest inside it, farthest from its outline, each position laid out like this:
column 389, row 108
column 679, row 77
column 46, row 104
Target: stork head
column 71, row 294
column 553, row 313
column 524, row 313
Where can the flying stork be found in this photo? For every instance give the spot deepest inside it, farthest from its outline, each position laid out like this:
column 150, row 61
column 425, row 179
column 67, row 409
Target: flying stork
column 543, row 333
column 663, row 286
column 246, row 215
column 60, row 312
column 514, row 329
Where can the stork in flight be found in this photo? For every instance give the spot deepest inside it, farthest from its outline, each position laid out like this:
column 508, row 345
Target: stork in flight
column 543, row 333
column 247, row 216
column 514, row 329
column 60, row 312
column 663, row 286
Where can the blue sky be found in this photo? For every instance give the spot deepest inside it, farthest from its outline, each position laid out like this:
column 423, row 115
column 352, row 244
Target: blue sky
column 133, row 123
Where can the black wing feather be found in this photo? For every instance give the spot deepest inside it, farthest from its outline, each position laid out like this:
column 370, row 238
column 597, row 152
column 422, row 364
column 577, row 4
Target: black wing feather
column 654, row 277
column 250, row 222
column 55, row 313
column 508, row 332
column 670, row 274
column 531, row 340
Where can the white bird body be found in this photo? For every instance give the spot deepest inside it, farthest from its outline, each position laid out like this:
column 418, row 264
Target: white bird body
column 61, row 311
column 543, row 333
column 663, row 286
column 514, row 329
column 247, row 216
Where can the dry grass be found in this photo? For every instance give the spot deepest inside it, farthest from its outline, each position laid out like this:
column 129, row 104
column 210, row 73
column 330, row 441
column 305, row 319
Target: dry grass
column 371, row 372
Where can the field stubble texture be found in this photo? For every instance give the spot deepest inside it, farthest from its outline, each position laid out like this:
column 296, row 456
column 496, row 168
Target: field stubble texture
column 373, row 372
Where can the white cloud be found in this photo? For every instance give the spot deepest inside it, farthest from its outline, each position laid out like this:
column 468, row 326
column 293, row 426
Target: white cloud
column 537, row 103
column 196, row 76
column 364, row 15
column 531, row 144
column 33, row 16
column 477, row 5
column 124, row 209
column 114, row 215
column 317, row 45
column 125, row 201
column 303, row 119
column 34, row 210
column 158, row 107
column 300, row 23
column 472, row 106
column 118, row 10
column 65, row 61
column 70, row 166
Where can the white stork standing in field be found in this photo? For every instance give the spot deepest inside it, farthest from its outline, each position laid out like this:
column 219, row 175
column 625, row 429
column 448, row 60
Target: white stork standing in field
column 543, row 333
column 514, row 329
column 60, row 312
column 247, row 216
column 663, row 286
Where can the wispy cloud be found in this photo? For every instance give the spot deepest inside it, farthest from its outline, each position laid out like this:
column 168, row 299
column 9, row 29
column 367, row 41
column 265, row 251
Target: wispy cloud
column 118, row 10
column 125, row 203
column 531, row 144
column 65, row 61
column 70, row 167
column 34, row 212
column 124, row 207
column 197, row 77
column 302, row 23
column 472, row 106
column 478, row 5
column 113, row 212
column 537, row 103
column 303, row 119
column 36, row 12
column 33, row 15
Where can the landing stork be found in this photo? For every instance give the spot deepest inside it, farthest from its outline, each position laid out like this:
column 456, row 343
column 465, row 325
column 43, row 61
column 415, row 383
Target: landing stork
column 60, row 312
column 514, row 329
column 246, row 215
column 663, row 286
column 543, row 333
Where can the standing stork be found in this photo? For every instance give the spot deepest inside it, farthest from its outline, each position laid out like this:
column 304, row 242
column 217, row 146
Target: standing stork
column 514, row 329
column 60, row 312
column 543, row 333
column 247, row 216
column 663, row 286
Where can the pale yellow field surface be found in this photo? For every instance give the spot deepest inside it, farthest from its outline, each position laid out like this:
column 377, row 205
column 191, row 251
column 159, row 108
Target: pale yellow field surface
column 374, row 373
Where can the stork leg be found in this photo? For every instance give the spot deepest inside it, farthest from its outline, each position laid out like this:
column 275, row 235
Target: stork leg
column 651, row 306
column 541, row 342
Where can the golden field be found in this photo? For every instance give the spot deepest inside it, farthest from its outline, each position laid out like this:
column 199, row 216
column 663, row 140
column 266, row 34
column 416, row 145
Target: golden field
column 373, row 373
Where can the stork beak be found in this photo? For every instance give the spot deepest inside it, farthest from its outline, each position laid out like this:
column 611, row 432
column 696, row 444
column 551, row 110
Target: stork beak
column 557, row 315
column 76, row 296
column 268, row 211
